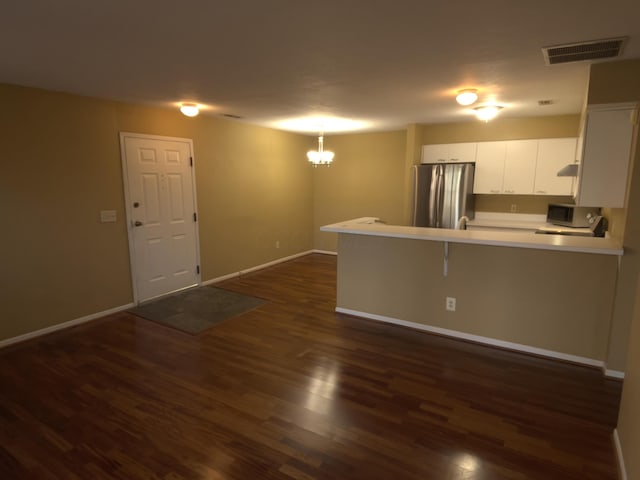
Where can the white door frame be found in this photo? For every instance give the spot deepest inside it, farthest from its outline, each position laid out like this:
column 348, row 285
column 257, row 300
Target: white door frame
column 129, row 207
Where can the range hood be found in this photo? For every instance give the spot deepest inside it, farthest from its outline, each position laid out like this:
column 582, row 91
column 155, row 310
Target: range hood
column 570, row 170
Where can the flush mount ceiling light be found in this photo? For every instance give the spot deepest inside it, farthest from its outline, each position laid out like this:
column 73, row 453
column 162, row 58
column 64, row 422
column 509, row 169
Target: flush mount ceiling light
column 467, row 96
column 487, row 112
column 189, row 109
column 320, row 156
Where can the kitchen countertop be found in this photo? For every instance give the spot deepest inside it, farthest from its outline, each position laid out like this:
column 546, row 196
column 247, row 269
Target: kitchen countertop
column 373, row 226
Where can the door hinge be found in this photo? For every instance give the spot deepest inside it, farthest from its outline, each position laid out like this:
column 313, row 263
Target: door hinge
column 195, row 217
column 198, row 269
column 191, row 161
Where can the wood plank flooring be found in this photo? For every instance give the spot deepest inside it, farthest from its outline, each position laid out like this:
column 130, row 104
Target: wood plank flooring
column 292, row 390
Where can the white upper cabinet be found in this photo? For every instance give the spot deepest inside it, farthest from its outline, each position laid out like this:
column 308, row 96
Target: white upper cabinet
column 505, row 167
column 449, row 152
column 520, row 167
column 512, row 167
column 489, row 174
column 606, row 152
column 553, row 154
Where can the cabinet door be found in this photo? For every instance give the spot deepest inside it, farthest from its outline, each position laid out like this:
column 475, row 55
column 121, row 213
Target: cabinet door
column 553, row 154
column 605, row 158
column 435, row 153
column 489, row 172
column 520, row 167
column 462, row 152
column 449, row 152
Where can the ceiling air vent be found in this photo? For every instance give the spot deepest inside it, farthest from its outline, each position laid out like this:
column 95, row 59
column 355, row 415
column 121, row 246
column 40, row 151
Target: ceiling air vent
column 580, row 52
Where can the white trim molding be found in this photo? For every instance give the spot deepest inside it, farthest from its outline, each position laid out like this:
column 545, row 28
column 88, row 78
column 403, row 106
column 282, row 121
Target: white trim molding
column 64, row 325
column 256, row 268
column 95, row 316
column 622, row 469
column 518, row 347
column 617, row 374
column 325, row 252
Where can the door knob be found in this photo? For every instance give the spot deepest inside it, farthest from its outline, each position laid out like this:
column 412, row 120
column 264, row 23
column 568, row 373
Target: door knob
column 137, row 223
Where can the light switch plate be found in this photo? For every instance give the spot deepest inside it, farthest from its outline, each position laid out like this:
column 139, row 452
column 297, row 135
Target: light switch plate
column 107, row 216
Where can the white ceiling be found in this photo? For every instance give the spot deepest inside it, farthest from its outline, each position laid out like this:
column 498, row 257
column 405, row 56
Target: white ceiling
column 382, row 63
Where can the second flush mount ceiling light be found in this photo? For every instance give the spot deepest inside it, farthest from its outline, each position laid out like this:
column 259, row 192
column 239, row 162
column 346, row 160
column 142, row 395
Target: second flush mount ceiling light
column 469, row 96
column 487, row 112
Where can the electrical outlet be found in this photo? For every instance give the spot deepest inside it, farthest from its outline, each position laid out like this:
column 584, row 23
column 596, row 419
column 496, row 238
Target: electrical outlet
column 277, row 243
column 514, row 208
column 451, row 304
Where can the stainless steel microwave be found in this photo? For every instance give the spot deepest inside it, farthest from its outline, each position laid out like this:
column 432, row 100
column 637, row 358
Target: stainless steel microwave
column 569, row 215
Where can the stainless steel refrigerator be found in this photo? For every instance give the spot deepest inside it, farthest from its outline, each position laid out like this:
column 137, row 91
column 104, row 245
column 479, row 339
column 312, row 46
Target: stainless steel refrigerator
column 442, row 194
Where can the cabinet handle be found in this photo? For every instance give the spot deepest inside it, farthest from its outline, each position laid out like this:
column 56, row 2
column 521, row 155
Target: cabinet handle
column 495, row 191
column 455, row 159
column 441, row 160
column 541, row 191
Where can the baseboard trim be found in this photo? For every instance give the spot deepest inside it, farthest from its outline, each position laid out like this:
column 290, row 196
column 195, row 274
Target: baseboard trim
column 518, row 347
column 64, row 325
column 616, row 374
column 622, row 469
column 94, row 316
column 256, row 268
column 325, row 252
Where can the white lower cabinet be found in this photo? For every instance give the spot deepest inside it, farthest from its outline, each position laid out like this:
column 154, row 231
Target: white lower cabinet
column 553, row 154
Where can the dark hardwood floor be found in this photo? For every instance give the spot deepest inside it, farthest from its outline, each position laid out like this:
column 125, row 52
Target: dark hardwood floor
column 292, row 390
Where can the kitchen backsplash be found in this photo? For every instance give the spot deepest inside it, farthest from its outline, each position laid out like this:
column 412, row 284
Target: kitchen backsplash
column 535, row 204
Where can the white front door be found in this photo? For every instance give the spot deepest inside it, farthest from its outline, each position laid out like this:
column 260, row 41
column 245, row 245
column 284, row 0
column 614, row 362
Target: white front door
column 161, row 213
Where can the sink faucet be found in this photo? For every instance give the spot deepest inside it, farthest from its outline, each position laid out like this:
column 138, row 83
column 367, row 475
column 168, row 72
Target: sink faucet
column 462, row 223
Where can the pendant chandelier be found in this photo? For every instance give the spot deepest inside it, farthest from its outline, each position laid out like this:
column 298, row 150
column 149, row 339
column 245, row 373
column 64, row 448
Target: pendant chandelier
column 320, row 156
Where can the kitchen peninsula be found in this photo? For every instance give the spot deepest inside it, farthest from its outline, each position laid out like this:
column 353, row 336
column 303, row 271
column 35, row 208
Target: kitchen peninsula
column 550, row 295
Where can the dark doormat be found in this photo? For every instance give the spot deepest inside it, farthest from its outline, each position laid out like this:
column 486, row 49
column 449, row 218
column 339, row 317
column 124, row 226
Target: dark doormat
column 196, row 309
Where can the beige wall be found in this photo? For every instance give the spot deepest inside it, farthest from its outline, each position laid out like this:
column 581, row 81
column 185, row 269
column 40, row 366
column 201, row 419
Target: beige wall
column 613, row 82
column 254, row 186
column 512, row 294
column 365, row 179
column 530, row 204
column 629, row 418
column 62, row 166
column 558, row 126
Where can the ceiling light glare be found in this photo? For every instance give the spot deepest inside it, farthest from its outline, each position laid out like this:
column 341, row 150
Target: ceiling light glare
column 488, row 112
column 189, row 109
column 467, row 97
column 320, row 124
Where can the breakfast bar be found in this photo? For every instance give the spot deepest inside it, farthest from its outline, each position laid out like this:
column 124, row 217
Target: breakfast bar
column 550, row 295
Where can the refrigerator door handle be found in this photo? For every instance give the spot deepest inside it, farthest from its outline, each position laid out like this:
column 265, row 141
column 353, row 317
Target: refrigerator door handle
column 439, row 196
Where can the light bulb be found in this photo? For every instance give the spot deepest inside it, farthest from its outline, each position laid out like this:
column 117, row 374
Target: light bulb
column 189, row 109
column 467, row 96
column 487, row 112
